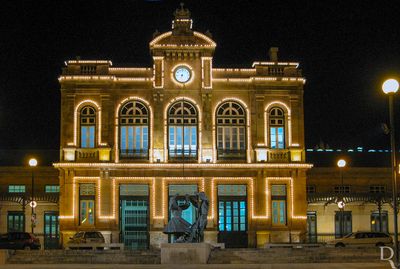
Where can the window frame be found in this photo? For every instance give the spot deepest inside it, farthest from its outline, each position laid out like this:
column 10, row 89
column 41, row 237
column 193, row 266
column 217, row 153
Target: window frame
column 88, row 125
column 183, row 124
column 237, row 127
column 139, row 123
column 16, row 185
column 275, row 124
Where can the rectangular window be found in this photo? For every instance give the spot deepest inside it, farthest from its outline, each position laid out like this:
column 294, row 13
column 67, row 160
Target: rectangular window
column 87, row 194
column 342, row 189
column 134, row 141
column 379, row 222
column 15, row 221
column 51, row 188
column 277, row 137
column 343, row 223
column 87, row 136
column 182, row 141
column 312, row 227
column 377, row 189
column 278, row 202
column 16, row 189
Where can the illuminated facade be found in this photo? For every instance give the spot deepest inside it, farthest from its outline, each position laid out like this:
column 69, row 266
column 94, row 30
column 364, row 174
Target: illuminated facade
column 132, row 137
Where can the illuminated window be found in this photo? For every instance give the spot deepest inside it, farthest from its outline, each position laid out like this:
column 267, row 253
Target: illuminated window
column 134, row 131
column 278, row 201
column 52, row 188
column 86, row 204
column 379, row 222
column 88, row 126
column 15, row 221
column 16, row 188
column 182, row 130
column 277, row 128
column 231, row 131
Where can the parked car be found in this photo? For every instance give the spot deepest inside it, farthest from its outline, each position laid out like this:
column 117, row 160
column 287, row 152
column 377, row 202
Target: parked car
column 84, row 237
column 19, row 240
column 363, row 238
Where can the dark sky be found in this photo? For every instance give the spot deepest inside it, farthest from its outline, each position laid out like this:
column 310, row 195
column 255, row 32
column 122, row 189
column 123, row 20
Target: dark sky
column 345, row 48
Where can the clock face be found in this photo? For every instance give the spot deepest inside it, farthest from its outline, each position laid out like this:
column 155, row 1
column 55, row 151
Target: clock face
column 182, row 74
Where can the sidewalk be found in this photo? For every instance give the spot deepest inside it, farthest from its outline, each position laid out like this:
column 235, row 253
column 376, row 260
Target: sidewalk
column 382, row 265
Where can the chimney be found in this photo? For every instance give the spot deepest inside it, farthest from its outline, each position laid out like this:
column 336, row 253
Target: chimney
column 273, row 54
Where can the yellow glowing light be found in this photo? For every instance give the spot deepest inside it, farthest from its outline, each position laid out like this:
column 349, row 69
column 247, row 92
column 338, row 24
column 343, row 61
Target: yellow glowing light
column 203, row 60
column 116, row 130
column 248, row 150
column 288, row 119
column 158, row 58
column 154, row 42
column 180, row 165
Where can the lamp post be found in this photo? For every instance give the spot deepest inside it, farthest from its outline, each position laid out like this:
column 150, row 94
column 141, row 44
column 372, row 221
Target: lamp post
column 390, row 87
column 341, row 164
column 32, row 164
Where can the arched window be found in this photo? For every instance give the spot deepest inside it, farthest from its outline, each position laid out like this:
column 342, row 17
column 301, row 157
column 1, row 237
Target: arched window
column 182, row 130
column 277, row 128
column 88, row 126
column 134, row 130
column 231, row 131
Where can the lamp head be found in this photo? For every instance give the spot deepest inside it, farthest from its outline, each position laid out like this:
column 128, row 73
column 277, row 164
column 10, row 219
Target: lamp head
column 341, row 163
column 390, row 86
column 32, row 162
column 341, row 204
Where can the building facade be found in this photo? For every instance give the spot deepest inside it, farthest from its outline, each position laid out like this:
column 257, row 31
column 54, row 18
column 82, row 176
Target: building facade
column 132, row 137
column 16, row 195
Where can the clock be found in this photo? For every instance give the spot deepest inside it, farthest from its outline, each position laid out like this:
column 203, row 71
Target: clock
column 182, row 74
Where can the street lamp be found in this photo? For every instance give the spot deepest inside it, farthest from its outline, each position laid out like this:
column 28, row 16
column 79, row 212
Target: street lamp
column 33, row 163
column 341, row 164
column 390, row 87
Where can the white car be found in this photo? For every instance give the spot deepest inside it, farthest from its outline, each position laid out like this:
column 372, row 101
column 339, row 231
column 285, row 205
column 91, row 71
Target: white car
column 363, row 238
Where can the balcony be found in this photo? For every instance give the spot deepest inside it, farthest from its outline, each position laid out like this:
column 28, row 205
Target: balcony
column 133, row 154
column 180, row 155
column 231, row 154
column 86, row 154
column 278, row 156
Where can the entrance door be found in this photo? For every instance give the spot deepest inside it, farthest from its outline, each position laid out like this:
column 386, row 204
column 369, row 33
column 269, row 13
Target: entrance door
column 232, row 221
column 51, row 230
column 134, row 228
column 343, row 223
column 312, row 227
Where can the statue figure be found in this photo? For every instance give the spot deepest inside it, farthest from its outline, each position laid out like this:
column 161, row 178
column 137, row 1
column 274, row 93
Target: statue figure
column 177, row 225
column 184, row 231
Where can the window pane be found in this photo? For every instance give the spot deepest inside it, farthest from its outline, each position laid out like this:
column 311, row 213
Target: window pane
column 84, row 137
column 145, row 138
column 130, row 138
column 123, row 138
column 273, row 137
column 91, row 136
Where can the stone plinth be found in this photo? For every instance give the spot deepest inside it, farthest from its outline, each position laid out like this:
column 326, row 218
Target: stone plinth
column 185, row 253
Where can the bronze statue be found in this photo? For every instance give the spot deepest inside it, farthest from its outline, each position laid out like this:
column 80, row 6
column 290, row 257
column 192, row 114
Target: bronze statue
column 184, row 231
column 177, row 225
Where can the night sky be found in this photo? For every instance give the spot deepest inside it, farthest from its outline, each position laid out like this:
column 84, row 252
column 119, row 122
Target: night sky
column 345, row 48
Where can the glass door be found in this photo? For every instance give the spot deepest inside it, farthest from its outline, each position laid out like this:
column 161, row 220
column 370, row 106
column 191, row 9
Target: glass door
column 51, row 230
column 312, row 227
column 232, row 221
column 134, row 219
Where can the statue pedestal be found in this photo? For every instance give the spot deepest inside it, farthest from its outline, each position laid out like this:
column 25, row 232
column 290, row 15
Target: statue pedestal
column 185, row 253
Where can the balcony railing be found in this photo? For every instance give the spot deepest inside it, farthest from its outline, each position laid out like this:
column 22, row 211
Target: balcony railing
column 181, row 155
column 279, row 155
column 86, row 154
column 137, row 154
column 231, row 154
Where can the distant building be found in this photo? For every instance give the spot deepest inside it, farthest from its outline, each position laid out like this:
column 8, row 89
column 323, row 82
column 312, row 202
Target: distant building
column 131, row 137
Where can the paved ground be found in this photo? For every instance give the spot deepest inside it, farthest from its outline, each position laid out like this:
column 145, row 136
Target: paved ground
column 382, row 265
